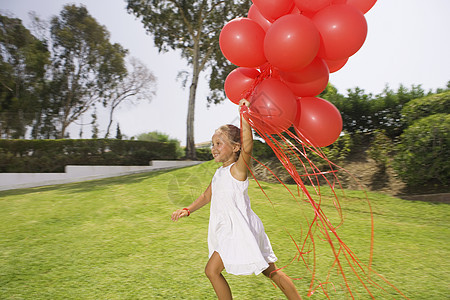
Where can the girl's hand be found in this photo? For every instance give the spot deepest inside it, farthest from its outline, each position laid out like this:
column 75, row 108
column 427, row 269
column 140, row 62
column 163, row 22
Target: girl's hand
column 180, row 213
column 244, row 102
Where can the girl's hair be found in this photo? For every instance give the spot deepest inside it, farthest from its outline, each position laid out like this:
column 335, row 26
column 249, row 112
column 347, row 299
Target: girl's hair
column 233, row 134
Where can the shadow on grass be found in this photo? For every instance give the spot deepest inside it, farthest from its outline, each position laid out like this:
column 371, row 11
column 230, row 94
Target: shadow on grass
column 86, row 186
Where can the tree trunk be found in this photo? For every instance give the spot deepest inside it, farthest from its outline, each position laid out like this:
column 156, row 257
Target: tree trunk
column 190, row 143
column 62, row 135
column 111, row 112
column 63, row 130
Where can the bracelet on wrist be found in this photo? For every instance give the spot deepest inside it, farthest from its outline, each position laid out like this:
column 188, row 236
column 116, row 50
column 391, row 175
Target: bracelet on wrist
column 188, row 211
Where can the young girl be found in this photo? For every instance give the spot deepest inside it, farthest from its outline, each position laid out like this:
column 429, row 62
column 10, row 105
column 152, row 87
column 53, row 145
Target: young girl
column 236, row 238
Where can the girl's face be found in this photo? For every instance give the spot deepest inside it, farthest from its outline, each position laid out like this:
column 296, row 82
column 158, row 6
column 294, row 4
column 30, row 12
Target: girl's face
column 222, row 149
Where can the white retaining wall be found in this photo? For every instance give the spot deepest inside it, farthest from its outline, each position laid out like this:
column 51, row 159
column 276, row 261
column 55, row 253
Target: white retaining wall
column 10, row 181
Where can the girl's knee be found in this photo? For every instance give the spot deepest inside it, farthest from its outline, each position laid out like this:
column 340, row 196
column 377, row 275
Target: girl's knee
column 208, row 271
column 211, row 273
column 214, row 267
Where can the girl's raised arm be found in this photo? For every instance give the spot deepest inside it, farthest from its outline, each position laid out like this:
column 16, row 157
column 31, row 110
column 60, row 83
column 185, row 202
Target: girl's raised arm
column 240, row 169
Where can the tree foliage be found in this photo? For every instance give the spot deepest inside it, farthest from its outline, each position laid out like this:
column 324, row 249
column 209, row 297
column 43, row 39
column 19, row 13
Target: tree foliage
column 362, row 112
column 193, row 28
column 356, row 111
column 23, row 61
column 47, row 83
column 84, row 64
column 139, row 84
column 387, row 109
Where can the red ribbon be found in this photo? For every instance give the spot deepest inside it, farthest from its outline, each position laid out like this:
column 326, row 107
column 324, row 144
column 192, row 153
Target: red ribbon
column 291, row 149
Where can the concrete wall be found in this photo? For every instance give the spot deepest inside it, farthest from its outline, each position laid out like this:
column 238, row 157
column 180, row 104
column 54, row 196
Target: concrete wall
column 10, row 181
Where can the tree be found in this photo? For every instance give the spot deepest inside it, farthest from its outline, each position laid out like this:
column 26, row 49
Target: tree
column 355, row 109
column 84, row 65
column 139, row 84
column 442, row 90
column 23, row 60
column 387, row 109
column 193, row 27
column 94, row 125
column 363, row 112
column 118, row 133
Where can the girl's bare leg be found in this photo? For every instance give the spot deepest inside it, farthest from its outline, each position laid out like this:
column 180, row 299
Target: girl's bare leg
column 213, row 271
column 282, row 281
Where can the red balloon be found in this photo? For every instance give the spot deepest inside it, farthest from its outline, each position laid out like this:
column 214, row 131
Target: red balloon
column 318, row 122
column 291, row 42
column 238, row 82
column 273, row 9
column 255, row 14
column 335, row 65
column 343, row 30
column 308, row 89
column 276, row 105
column 363, row 5
column 309, row 81
column 241, row 41
column 312, row 6
column 307, row 14
column 315, row 70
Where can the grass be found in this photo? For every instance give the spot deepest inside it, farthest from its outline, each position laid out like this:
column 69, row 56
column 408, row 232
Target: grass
column 113, row 239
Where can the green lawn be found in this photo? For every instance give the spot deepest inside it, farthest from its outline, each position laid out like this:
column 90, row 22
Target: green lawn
column 113, row 239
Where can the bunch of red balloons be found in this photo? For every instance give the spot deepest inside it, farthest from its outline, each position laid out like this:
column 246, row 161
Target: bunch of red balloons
column 285, row 51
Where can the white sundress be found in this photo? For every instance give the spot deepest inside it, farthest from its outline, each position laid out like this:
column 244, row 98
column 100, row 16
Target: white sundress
column 235, row 231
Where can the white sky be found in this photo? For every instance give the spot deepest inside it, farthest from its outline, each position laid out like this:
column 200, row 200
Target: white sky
column 408, row 43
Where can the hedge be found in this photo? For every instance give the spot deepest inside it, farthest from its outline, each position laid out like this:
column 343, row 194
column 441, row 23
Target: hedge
column 204, row 154
column 30, row 156
column 424, row 150
column 423, row 107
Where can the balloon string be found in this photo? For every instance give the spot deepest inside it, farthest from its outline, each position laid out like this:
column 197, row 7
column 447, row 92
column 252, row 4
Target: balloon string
column 288, row 153
column 266, row 71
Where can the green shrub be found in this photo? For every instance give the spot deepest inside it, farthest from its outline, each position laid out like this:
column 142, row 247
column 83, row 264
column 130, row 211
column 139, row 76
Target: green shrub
column 424, row 151
column 426, row 106
column 156, row 136
column 381, row 148
column 340, row 149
